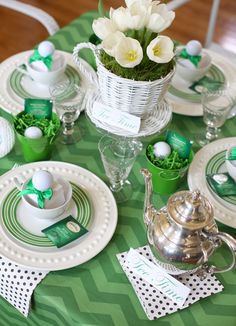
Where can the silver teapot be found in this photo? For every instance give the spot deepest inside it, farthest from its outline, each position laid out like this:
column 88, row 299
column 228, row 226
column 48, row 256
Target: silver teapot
column 184, row 233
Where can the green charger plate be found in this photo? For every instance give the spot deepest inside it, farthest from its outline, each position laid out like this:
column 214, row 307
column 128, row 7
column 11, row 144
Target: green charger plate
column 16, row 78
column 10, row 221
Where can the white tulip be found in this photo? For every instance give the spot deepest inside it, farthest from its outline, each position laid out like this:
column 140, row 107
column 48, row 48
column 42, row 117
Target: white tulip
column 110, row 42
column 102, row 27
column 128, row 52
column 161, row 49
column 145, row 3
column 160, row 17
column 138, row 16
column 120, row 18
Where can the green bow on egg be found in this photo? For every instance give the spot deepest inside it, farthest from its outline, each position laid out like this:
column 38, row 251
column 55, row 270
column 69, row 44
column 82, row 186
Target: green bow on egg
column 41, row 195
column 37, row 57
column 195, row 59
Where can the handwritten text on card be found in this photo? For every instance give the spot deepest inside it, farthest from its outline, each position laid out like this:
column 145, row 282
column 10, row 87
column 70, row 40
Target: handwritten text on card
column 116, row 118
column 162, row 281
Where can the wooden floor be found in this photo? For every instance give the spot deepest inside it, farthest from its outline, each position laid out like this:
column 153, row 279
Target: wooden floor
column 20, row 32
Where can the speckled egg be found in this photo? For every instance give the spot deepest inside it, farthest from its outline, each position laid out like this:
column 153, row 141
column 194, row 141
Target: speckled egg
column 194, row 47
column 33, row 132
column 162, row 150
column 42, row 180
column 46, row 48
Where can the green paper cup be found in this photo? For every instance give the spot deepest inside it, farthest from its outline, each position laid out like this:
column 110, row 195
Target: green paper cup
column 37, row 149
column 166, row 181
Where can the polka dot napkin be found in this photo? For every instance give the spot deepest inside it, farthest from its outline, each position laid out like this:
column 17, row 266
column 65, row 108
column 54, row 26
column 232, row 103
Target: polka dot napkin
column 154, row 303
column 18, row 283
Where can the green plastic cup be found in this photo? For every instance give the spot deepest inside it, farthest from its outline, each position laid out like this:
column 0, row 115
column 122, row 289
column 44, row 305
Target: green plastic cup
column 166, row 181
column 39, row 149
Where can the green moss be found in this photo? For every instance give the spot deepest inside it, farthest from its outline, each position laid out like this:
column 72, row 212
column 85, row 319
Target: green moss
column 146, row 71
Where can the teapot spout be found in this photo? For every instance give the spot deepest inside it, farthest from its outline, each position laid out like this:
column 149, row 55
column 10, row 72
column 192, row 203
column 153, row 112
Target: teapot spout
column 148, row 207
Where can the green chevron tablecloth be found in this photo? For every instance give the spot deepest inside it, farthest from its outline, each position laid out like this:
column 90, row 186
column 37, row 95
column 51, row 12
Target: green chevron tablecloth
column 98, row 292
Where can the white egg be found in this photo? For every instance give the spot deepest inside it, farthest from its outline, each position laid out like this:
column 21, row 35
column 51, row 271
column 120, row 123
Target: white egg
column 193, row 47
column 162, row 150
column 46, row 48
column 42, row 180
column 33, row 132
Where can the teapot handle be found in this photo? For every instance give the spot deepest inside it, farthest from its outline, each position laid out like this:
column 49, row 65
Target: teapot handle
column 230, row 242
column 82, row 68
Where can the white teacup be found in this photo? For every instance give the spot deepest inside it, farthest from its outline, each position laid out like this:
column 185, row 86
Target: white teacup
column 47, row 78
column 46, row 213
column 192, row 74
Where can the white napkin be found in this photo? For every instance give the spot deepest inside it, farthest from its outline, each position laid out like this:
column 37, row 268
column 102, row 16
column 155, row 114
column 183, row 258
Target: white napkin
column 18, row 284
column 154, row 303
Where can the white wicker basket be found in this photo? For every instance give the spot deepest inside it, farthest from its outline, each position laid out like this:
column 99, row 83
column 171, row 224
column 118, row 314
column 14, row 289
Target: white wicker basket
column 135, row 97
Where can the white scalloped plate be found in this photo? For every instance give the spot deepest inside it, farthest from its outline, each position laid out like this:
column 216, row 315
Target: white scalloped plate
column 153, row 123
column 12, row 102
column 197, row 179
column 101, row 228
column 188, row 108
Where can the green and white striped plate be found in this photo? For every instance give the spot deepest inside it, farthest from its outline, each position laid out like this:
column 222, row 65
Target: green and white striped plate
column 24, row 87
column 180, row 89
column 12, row 206
column 217, row 165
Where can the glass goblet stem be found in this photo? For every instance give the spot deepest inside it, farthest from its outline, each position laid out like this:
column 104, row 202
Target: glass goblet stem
column 68, row 123
column 211, row 133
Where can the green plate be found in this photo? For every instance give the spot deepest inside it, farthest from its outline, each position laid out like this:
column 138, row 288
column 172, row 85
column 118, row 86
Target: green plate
column 12, row 205
column 217, row 165
column 177, row 89
column 16, row 83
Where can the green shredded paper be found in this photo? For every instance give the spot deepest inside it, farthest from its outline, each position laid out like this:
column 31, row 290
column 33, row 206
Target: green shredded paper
column 172, row 162
column 49, row 127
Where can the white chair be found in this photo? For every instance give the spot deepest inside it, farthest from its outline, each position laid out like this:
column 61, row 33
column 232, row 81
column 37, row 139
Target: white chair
column 175, row 4
column 44, row 18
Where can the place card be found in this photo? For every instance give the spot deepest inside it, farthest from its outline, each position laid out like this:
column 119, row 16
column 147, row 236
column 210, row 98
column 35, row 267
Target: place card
column 157, row 277
column 116, row 118
column 155, row 303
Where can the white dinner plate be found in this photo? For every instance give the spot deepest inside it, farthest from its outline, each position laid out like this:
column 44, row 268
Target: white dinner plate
column 223, row 211
column 12, row 99
column 19, row 234
column 189, row 108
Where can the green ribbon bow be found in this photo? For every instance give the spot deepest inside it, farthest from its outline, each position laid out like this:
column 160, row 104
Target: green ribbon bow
column 195, row 59
column 37, row 57
column 42, row 195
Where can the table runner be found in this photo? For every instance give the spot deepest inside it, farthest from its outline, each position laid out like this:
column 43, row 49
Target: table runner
column 98, row 292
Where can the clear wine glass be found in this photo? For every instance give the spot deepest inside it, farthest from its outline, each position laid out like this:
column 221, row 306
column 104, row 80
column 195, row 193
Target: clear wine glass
column 216, row 107
column 68, row 100
column 118, row 156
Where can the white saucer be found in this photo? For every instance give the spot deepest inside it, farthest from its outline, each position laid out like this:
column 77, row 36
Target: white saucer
column 189, row 108
column 12, row 102
column 154, row 123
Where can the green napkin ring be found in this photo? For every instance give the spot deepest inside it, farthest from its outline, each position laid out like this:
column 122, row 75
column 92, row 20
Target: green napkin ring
column 195, row 59
column 37, row 57
column 42, row 195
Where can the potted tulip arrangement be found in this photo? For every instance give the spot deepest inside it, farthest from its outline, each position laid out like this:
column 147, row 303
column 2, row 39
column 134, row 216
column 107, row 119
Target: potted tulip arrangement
column 135, row 63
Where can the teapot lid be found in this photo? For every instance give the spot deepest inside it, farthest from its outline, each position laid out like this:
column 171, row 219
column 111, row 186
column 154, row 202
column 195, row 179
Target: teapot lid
column 190, row 209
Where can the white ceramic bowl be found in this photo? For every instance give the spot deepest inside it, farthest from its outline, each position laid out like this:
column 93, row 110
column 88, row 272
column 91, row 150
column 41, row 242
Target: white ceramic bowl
column 192, row 74
column 51, row 213
column 231, row 168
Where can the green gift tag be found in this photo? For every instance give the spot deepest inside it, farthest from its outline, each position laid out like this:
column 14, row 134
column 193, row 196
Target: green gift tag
column 206, row 83
column 179, row 143
column 39, row 108
column 64, row 231
column 222, row 184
